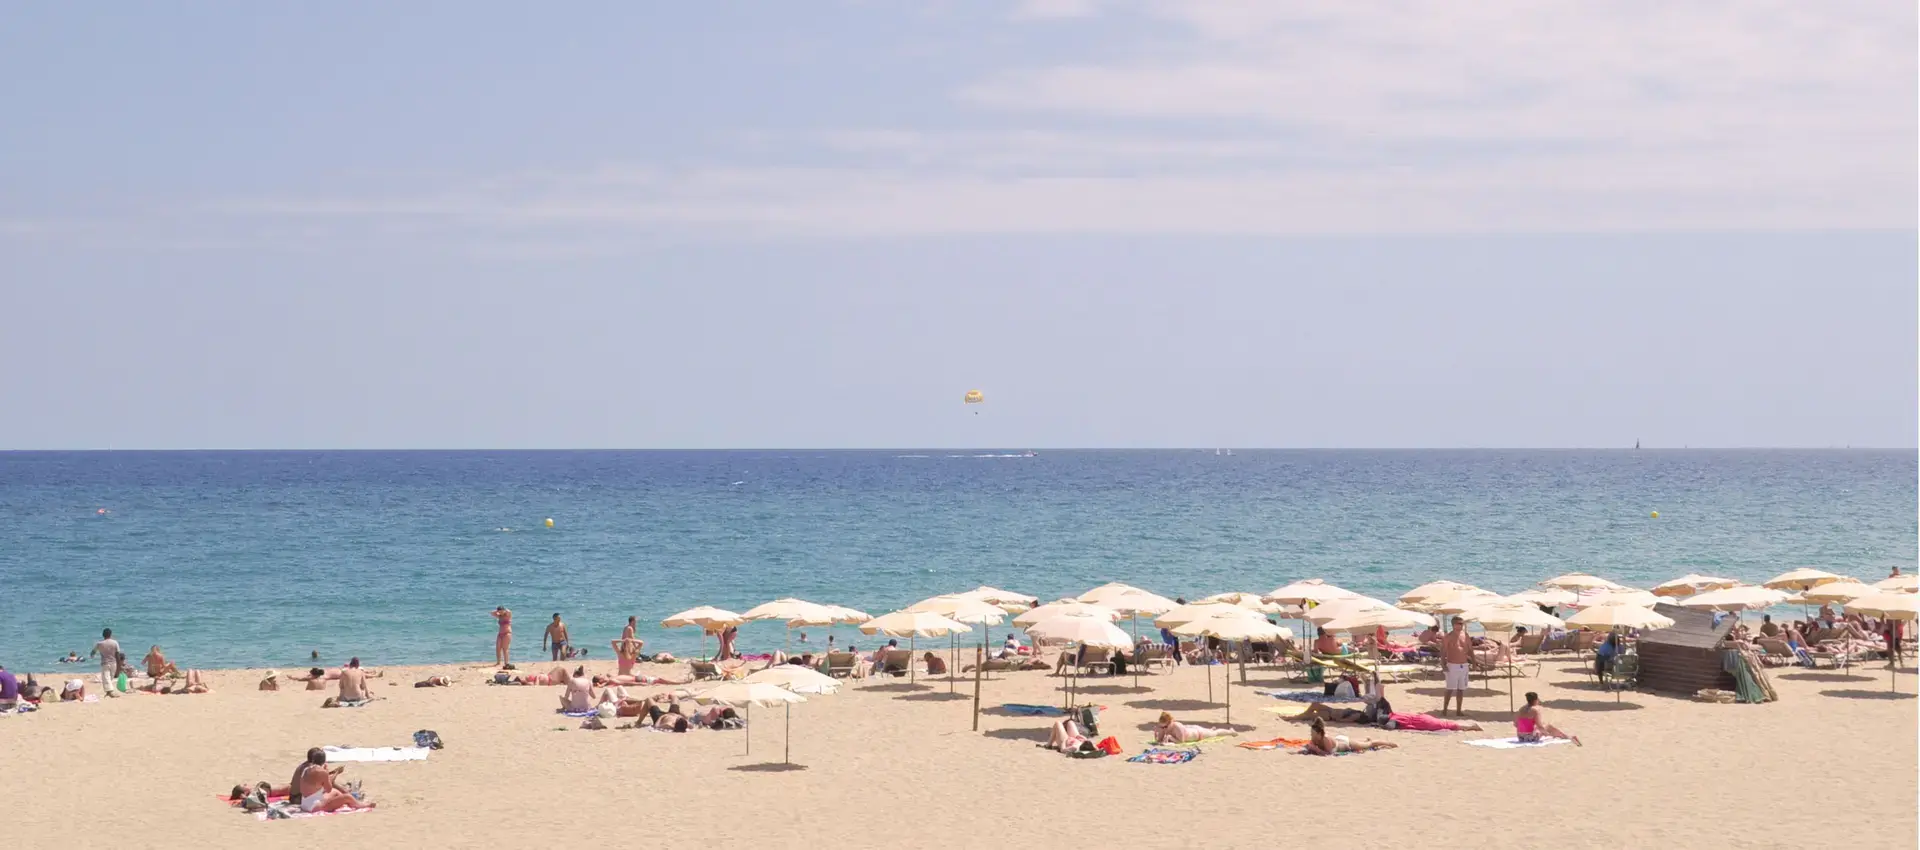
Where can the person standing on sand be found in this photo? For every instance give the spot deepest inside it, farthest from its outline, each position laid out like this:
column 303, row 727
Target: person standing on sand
column 556, row 637
column 109, row 651
column 1456, row 650
column 503, row 642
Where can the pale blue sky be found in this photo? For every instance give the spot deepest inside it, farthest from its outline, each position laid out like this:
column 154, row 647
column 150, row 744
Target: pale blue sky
column 1217, row 222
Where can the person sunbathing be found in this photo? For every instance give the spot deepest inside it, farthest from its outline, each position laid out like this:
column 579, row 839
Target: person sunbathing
column 1531, row 726
column 1065, row 735
column 158, row 665
column 578, row 695
column 671, row 721
column 1321, row 744
column 195, row 683
column 1170, row 730
column 626, row 653
column 715, row 717
column 353, row 683
column 319, row 790
column 936, row 666
column 434, row 682
column 637, row 680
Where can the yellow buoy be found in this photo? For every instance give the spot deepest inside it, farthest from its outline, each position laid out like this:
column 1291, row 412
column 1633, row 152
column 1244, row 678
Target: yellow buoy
column 1656, row 515
column 550, row 521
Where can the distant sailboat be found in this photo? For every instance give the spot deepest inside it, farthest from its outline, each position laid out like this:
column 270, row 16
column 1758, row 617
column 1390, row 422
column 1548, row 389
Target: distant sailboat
column 1636, row 445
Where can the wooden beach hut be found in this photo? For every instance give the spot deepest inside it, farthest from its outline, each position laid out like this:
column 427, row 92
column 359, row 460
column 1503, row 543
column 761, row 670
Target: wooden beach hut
column 1685, row 658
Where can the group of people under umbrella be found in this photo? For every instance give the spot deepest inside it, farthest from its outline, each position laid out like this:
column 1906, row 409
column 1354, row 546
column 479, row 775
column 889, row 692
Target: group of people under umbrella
column 1089, row 621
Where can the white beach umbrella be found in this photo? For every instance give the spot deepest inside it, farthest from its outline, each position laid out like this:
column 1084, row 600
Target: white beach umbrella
column 707, row 617
column 1608, row 617
column 1377, row 617
column 794, row 612
column 1618, row 596
column 1084, row 628
column 1432, row 588
column 1341, row 607
column 1008, row 601
column 1909, row 582
column 962, row 609
column 1840, row 592
column 1248, row 600
column 1580, row 581
column 793, row 677
column 1692, row 583
column 1744, row 598
column 749, row 694
column 1551, row 597
column 911, row 625
column 1801, row 579
column 1309, row 590
column 1195, row 610
column 1889, row 605
column 1460, row 599
column 1065, row 606
column 1228, row 625
column 1507, row 613
column 848, row 616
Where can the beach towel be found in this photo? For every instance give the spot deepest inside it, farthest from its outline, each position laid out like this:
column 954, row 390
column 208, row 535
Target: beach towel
column 1032, row 710
column 355, row 703
column 277, row 798
column 1305, row 696
column 585, row 712
column 1516, row 743
column 1275, row 744
column 340, row 754
column 285, row 812
column 1160, row 755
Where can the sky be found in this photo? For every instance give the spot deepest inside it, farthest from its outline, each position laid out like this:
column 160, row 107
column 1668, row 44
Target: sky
column 1202, row 223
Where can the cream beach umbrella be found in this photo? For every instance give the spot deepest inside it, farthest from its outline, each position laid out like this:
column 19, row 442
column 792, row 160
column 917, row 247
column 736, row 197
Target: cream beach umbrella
column 1247, row 600
column 1130, row 601
column 1618, row 596
column 1889, row 605
column 962, row 609
column 848, row 616
column 1453, row 602
column 795, row 612
column 1692, row 583
column 707, row 617
column 793, row 677
column 1236, row 628
column 1377, row 617
column 1908, row 582
column 1337, row 608
column 1308, row 590
column 1801, row 579
column 1083, row 628
column 1580, row 581
column 1507, row 613
column 911, row 625
column 1191, row 611
column 1065, row 606
column 1838, row 592
column 1551, row 597
column 749, row 694
column 1430, row 589
column 1744, row 598
column 1006, row 600
column 1609, row 617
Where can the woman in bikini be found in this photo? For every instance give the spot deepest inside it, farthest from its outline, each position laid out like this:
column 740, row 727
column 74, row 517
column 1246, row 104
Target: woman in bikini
column 1320, row 744
column 1533, row 728
column 503, row 642
column 1170, row 730
column 158, row 665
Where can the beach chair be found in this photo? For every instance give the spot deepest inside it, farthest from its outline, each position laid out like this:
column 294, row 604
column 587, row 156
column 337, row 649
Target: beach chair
column 1624, row 673
column 896, row 662
column 1531, row 644
column 1776, row 653
column 1583, row 642
column 1155, row 654
column 1557, row 644
column 1096, row 658
column 843, row 665
column 705, row 670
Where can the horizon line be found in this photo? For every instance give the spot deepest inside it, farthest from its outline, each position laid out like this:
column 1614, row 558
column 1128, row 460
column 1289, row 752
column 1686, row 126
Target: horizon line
column 852, row 449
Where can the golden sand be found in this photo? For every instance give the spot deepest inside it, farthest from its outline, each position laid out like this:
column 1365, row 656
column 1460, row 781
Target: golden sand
column 888, row 765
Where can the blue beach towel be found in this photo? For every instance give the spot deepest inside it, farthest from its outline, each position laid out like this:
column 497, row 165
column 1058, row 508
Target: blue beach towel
column 1160, row 755
column 1306, row 696
column 587, row 713
column 1032, row 710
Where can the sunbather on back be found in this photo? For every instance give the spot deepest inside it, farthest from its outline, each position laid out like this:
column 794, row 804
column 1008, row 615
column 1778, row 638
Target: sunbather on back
column 1170, row 730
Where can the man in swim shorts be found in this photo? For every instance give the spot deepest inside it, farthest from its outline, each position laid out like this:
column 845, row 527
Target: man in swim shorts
column 313, row 787
column 1456, row 649
column 556, row 636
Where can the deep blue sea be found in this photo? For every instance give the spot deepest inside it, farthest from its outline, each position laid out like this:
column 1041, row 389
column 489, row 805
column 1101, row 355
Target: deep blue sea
column 256, row 558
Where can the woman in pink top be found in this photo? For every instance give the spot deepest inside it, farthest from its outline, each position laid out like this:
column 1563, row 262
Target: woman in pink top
column 503, row 642
column 1532, row 728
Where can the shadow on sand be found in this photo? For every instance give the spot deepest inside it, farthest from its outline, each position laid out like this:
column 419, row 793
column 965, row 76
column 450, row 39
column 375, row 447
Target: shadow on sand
column 769, row 767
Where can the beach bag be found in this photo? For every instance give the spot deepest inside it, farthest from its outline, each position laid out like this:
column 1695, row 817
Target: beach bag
column 1342, row 689
column 1109, row 745
column 427, row 738
column 1090, row 720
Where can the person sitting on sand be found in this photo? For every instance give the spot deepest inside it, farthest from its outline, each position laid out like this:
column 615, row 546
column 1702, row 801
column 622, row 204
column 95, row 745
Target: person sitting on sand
column 319, row 792
column 578, row 695
column 936, row 666
column 74, row 690
column 157, row 664
column 1531, row 724
column 1321, row 744
column 1170, row 730
column 626, row 653
column 271, row 681
column 353, row 683
column 1010, row 649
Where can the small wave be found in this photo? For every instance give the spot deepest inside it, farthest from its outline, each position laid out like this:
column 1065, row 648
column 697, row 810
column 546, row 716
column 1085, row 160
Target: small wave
column 906, row 456
column 737, row 483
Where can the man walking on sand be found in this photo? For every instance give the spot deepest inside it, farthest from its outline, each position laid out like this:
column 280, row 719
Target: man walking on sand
column 556, row 636
column 1456, row 649
column 109, row 651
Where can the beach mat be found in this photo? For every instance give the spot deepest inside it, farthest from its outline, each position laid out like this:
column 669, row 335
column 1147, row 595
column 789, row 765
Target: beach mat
column 369, row 754
column 1188, row 745
column 277, row 798
column 1516, row 743
column 1025, row 710
column 1162, row 755
column 299, row 815
column 1306, row 696
column 1275, row 744
column 583, row 713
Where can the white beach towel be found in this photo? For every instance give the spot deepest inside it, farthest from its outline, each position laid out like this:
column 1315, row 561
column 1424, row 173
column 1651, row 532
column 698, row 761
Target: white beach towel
column 339, row 754
column 1516, row 743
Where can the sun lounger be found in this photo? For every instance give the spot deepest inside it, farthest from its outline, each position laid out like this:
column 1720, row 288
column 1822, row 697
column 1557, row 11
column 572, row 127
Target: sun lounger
column 1155, row 654
column 1530, row 644
column 843, row 665
column 894, row 662
column 1097, row 659
column 704, row 670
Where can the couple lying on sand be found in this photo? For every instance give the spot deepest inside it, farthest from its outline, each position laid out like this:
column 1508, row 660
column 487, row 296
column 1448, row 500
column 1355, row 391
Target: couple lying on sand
column 315, row 788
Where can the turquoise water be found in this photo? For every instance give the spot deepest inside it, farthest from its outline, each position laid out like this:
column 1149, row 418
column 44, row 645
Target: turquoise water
column 255, row 558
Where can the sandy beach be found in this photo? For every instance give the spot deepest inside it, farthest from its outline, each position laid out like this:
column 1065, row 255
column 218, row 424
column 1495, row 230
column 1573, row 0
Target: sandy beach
column 893, row 765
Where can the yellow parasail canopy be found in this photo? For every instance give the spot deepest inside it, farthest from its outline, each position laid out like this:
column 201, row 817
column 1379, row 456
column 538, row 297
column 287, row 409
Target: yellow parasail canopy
column 974, row 397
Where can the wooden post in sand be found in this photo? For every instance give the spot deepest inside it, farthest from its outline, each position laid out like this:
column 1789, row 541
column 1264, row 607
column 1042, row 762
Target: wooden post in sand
column 979, row 661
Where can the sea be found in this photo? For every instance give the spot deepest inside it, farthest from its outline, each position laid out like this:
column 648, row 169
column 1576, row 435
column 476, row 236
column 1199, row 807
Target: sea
column 248, row 559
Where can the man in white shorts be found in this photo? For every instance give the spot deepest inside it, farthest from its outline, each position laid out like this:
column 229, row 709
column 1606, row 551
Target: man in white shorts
column 1456, row 649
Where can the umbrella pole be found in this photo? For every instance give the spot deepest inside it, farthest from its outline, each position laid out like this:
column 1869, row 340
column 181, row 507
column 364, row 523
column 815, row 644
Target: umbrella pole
column 979, row 662
column 749, row 735
column 1229, row 690
column 953, row 658
column 788, row 756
